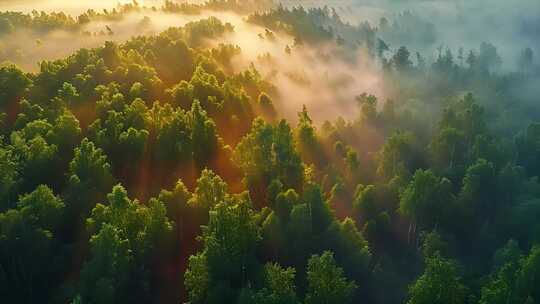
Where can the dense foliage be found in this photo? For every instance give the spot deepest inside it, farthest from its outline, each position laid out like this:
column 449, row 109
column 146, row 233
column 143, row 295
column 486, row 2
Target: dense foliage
column 153, row 171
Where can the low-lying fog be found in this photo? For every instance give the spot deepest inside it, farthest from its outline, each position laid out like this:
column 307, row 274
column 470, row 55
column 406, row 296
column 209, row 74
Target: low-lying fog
column 306, row 75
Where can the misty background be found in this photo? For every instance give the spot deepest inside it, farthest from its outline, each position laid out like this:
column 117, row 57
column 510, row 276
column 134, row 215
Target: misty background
column 312, row 74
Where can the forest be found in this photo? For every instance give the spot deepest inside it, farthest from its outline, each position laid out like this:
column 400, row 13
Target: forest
column 270, row 152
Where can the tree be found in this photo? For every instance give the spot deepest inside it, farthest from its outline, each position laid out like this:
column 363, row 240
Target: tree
column 461, row 56
column 67, row 94
column 38, row 157
column 128, row 236
column 514, row 278
column 30, row 252
column 326, row 283
column 368, row 109
column 488, row 57
column 365, row 202
column 105, row 277
column 478, row 189
column 299, row 235
column 433, row 243
column 42, row 208
column 13, row 83
column 280, row 281
column 501, row 284
column 278, row 286
column 398, row 156
column 173, row 133
column 197, row 279
column 66, row 133
column 228, row 255
column 211, row 190
column 472, row 59
column 203, row 134
column 381, row 47
column 349, row 247
column 448, row 148
column 307, row 142
column 320, row 212
column 268, row 153
column 528, row 277
column 401, row 59
column 286, row 161
column 426, row 200
column 284, row 202
column 9, row 178
column 266, row 106
column 121, row 127
column 89, row 179
column 488, row 148
column 176, row 202
column 466, row 116
column 526, row 60
column 445, row 63
column 440, row 283
column 90, row 167
column 528, row 146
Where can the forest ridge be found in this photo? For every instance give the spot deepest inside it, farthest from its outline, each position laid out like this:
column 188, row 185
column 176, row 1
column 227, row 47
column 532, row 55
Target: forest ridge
column 294, row 152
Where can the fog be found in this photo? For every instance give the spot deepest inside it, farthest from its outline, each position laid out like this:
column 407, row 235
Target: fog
column 315, row 77
column 27, row 48
column 312, row 76
column 306, row 76
column 509, row 25
column 73, row 7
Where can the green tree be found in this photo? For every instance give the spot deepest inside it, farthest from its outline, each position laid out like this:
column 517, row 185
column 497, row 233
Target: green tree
column 30, row 252
column 268, row 153
column 89, row 179
column 38, row 157
column 13, row 83
column 227, row 261
column 204, row 136
column 326, row 282
column 197, row 278
column 320, row 213
column 307, row 142
column 365, row 203
column 210, row 191
column 478, row 191
column 528, row 277
column 500, row 288
column 280, row 282
column 398, row 156
column 426, row 201
column 105, row 277
column 527, row 146
column 448, row 148
column 66, row 133
column 173, row 133
column 9, row 178
column 440, row 283
column 176, row 201
column 131, row 233
column 349, row 246
column 515, row 277
column 278, row 287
